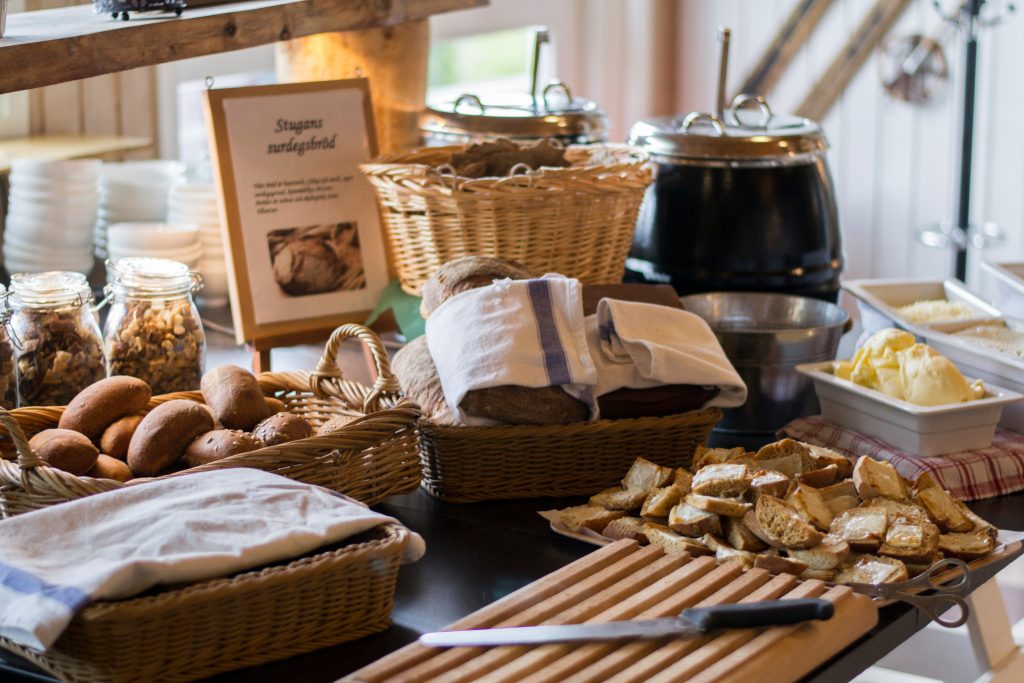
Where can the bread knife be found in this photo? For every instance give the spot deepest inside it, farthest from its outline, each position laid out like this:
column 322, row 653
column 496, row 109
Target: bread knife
column 691, row 622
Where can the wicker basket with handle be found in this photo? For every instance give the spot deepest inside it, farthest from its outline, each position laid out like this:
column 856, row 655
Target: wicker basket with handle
column 372, row 456
column 469, row 464
column 328, row 597
column 577, row 221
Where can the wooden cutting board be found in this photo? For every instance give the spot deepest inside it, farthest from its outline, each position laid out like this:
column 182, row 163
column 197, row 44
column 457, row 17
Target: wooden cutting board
column 625, row 581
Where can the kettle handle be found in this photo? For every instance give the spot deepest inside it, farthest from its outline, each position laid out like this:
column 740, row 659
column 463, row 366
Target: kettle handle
column 701, row 116
column 742, row 100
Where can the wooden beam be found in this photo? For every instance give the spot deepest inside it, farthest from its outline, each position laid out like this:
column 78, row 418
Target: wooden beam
column 791, row 37
column 53, row 46
column 59, row 147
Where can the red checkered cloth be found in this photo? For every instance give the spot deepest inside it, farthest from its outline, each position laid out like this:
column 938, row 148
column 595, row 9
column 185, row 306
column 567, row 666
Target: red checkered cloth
column 970, row 475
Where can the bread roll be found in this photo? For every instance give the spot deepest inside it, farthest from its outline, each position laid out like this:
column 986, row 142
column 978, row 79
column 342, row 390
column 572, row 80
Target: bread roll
column 235, row 397
column 525, row 405
column 217, row 444
column 334, row 424
column 164, row 434
column 282, row 428
column 107, row 467
column 117, row 436
column 276, row 405
column 463, row 274
column 102, row 403
column 65, row 449
column 416, row 373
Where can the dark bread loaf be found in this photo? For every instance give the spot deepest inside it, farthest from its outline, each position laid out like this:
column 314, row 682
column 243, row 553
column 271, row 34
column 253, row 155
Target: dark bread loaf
column 235, row 397
column 164, row 434
column 65, row 449
column 464, row 274
column 117, row 436
column 217, row 444
column 281, row 428
column 525, row 405
column 102, row 403
column 416, row 373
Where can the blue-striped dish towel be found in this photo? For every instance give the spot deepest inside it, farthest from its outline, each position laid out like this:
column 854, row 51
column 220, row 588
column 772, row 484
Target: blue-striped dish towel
column 53, row 562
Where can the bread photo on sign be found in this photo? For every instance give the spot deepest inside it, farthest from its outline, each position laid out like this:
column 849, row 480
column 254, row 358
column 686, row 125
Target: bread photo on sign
column 316, row 259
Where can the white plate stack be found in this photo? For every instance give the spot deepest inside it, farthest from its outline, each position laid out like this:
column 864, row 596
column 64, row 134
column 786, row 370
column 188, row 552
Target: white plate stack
column 134, row 192
column 197, row 205
column 51, row 210
column 173, row 241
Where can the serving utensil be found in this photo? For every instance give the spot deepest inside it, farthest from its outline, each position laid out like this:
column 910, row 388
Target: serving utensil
column 948, row 588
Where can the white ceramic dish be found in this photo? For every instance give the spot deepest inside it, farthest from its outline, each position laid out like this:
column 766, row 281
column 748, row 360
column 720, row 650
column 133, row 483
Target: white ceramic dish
column 922, row 430
column 49, row 244
column 73, row 169
column 35, row 184
column 1008, row 292
column 878, row 300
column 152, row 236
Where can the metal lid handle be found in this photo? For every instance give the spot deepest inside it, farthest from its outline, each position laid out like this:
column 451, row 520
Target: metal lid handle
column 471, row 99
column 705, row 117
column 742, row 100
column 555, row 85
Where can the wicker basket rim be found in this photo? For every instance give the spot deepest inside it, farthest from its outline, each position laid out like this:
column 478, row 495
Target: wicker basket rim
column 700, row 415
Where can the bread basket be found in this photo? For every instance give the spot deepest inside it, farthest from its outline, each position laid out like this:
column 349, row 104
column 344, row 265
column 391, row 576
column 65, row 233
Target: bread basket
column 179, row 634
column 577, row 221
column 469, row 464
column 372, row 456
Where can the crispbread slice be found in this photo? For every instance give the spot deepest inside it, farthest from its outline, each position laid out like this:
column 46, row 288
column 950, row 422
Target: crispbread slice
column 877, row 479
column 940, row 505
column 911, row 540
column 829, row 554
column 726, row 553
column 730, row 507
column 683, row 478
column 840, row 496
column 979, row 523
column 779, row 565
column 820, row 477
column 808, row 503
column 625, row 527
column 787, row 456
column 781, row 522
column 819, row 574
column 895, row 509
column 740, row 537
column 826, row 456
column 862, row 528
column 967, row 546
column 626, row 500
column 706, row 456
column 690, row 521
column 671, row 542
column 728, row 480
column 769, row 482
column 873, row 569
column 590, row 517
column 645, row 475
column 750, row 521
column 660, row 501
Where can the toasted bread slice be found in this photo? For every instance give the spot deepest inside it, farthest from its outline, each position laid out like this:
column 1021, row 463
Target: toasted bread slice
column 708, row 456
column 819, row 574
column 862, row 528
column 727, row 480
column 823, row 457
column 660, row 502
column 877, row 479
column 626, row 527
column 671, row 542
column 683, row 478
column 779, row 565
column 627, row 500
column 967, row 546
column 821, row 477
column 940, row 505
column 783, row 523
column 808, row 502
column 771, row 483
column 896, row 509
column 873, row 569
column 730, row 507
column 750, row 521
column 829, row 554
column 979, row 523
column 740, row 537
column 726, row 553
column 840, row 496
column 591, row 517
column 787, row 456
column 911, row 540
column 690, row 521
column 644, row 475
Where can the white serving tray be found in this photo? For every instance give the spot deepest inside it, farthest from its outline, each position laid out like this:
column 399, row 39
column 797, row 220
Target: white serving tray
column 878, row 300
column 1009, row 286
column 922, row 430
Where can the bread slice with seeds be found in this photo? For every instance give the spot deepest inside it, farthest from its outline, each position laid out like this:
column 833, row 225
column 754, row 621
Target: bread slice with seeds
column 780, row 521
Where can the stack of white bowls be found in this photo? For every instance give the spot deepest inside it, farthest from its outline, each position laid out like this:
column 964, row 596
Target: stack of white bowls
column 173, row 241
column 51, row 210
column 197, row 205
column 134, row 192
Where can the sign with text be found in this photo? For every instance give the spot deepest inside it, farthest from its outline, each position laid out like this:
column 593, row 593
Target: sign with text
column 305, row 249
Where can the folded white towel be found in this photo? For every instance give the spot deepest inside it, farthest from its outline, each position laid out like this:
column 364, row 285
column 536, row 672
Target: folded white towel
column 183, row 529
column 638, row 346
column 527, row 333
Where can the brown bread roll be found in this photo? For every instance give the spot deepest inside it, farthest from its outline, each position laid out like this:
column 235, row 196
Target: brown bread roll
column 415, row 370
column 463, row 274
column 107, row 467
column 100, row 404
column 65, row 449
column 235, row 397
column 334, row 424
column 164, row 434
column 117, row 436
column 217, row 444
column 282, row 428
column 276, row 405
column 525, row 405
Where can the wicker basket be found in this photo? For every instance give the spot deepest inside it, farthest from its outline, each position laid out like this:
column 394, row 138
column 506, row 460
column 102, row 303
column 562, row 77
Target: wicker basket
column 577, row 221
column 369, row 458
column 225, row 624
column 469, row 464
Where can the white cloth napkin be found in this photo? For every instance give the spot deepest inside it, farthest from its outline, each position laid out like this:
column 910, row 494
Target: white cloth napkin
column 638, row 346
column 527, row 333
column 53, row 562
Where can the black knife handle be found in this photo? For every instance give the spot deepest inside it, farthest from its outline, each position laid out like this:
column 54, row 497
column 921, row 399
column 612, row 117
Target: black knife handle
column 768, row 613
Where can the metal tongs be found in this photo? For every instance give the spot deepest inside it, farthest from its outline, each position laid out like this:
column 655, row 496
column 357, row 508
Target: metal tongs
column 945, row 594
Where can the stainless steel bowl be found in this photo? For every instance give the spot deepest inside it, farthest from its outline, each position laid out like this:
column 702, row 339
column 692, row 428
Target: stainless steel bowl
column 766, row 336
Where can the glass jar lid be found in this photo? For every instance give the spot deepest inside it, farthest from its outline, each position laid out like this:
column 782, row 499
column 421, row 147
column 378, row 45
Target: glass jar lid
column 151, row 277
column 741, row 133
column 52, row 289
column 555, row 114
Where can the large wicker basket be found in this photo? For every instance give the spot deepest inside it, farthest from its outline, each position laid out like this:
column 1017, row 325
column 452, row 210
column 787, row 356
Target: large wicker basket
column 469, row 464
column 371, row 457
column 577, row 221
column 184, row 634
